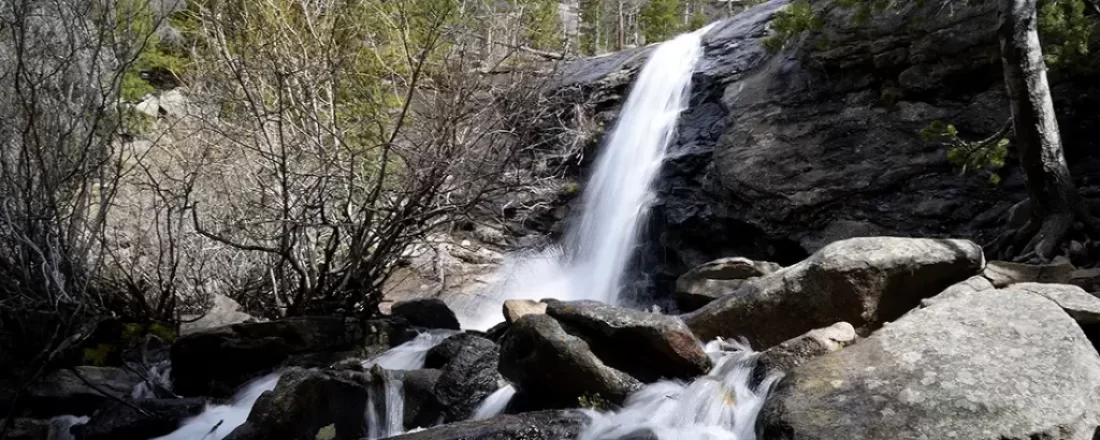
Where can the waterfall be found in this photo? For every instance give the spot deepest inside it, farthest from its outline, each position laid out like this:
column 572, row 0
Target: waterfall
column 217, row 421
column 495, row 404
column 720, row 406
column 616, row 199
column 386, row 412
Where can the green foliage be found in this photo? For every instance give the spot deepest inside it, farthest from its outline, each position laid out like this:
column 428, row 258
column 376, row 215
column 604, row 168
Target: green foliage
column 136, row 27
column 541, row 23
column 660, row 20
column 985, row 157
column 99, row 355
column 790, row 22
column 572, row 188
column 1065, row 31
column 592, row 16
column 593, row 401
column 865, row 9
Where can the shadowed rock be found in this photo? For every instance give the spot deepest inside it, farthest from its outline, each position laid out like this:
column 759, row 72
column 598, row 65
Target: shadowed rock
column 556, row 368
column 622, row 338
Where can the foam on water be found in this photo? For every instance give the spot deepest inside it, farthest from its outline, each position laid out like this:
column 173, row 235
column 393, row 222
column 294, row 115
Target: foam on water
column 720, row 406
column 616, row 198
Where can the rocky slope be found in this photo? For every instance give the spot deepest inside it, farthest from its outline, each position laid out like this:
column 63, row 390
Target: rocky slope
column 869, row 338
column 782, row 153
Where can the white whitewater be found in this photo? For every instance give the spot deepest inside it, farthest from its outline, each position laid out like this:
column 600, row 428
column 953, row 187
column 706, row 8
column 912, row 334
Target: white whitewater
column 217, row 421
column 61, row 427
column 719, row 406
column 616, row 199
column 495, row 404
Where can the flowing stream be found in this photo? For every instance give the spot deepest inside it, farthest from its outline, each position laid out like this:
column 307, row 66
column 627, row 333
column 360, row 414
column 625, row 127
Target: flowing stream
column 720, row 406
column 616, row 199
column 385, row 408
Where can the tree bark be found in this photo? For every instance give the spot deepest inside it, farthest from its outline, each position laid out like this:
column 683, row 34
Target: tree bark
column 1038, row 141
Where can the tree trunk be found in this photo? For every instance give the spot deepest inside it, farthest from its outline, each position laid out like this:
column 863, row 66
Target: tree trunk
column 1038, row 142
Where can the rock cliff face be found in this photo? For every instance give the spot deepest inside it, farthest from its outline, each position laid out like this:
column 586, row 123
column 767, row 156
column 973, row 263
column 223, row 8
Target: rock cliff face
column 781, row 153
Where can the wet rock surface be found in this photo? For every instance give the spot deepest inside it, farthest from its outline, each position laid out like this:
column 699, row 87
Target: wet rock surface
column 540, row 425
column 248, row 350
column 620, row 337
column 79, row 391
column 556, row 368
column 145, row 419
column 427, row 313
column 468, row 377
column 304, row 402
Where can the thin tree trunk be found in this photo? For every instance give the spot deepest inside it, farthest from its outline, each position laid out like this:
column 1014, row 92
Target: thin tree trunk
column 621, row 36
column 1050, row 187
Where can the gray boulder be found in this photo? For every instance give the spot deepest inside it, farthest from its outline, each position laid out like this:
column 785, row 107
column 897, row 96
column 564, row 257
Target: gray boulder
column 517, row 308
column 247, row 350
column 794, row 352
column 996, row 364
column 79, row 391
column 422, row 408
column 468, row 378
column 304, row 402
column 862, row 281
column 427, row 313
column 124, row 422
column 715, row 279
column 1004, row 273
column 556, row 368
column 621, row 337
column 540, row 425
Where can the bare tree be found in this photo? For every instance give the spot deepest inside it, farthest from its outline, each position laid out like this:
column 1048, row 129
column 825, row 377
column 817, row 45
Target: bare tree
column 61, row 69
column 348, row 139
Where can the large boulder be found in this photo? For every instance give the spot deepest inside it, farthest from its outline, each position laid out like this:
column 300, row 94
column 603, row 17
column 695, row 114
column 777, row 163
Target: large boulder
column 427, row 312
column 1005, row 273
column 995, row 364
column 468, row 377
column 247, row 350
column 715, row 279
column 548, row 364
column 79, row 390
column 518, row 308
column 541, row 425
column 306, row 401
column 141, row 419
column 863, row 281
column 620, row 337
column 794, row 352
column 422, row 408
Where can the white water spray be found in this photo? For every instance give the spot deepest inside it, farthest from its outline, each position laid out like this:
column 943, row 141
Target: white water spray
column 217, row 421
column 719, row 406
column 616, row 199
column 495, row 404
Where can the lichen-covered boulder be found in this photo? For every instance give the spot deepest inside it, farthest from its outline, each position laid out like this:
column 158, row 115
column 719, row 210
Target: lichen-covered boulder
column 989, row 365
column 862, row 281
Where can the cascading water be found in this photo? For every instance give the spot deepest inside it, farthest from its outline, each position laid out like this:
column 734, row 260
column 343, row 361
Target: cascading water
column 495, row 403
column 217, row 421
column 616, row 199
column 720, row 406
